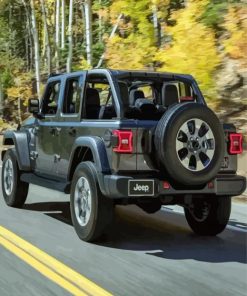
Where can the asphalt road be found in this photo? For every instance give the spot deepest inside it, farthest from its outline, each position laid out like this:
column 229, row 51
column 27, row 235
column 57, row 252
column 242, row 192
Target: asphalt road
column 142, row 255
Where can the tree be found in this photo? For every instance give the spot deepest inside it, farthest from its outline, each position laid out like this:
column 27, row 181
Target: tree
column 88, row 21
column 192, row 48
column 36, row 48
column 1, row 96
column 70, row 37
column 63, row 25
column 57, row 34
column 47, row 38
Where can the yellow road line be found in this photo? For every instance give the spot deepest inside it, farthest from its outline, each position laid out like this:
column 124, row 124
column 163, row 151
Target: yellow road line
column 52, row 263
column 40, row 267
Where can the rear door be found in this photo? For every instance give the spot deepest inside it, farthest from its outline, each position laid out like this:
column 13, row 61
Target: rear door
column 69, row 120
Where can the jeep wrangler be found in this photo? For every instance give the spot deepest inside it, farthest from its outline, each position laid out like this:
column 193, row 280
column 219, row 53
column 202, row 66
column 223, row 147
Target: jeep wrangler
column 112, row 137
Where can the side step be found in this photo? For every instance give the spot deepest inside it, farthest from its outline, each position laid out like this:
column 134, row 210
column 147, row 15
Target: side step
column 44, row 182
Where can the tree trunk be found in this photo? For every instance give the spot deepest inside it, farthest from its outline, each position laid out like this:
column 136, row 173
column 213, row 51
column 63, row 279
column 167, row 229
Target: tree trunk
column 63, row 25
column 47, row 38
column 1, row 97
column 100, row 25
column 57, row 37
column 70, row 37
column 114, row 29
column 29, row 40
column 156, row 26
column 88, row 20
column 36, row 47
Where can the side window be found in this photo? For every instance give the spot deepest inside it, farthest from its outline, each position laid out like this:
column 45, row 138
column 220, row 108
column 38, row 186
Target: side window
column 71, row 103
column 50, row 101
column 147, row 91
column 98, row 100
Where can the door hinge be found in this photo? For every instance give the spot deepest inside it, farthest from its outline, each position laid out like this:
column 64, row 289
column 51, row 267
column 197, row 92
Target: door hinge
column 34, row 155
column 57, row 158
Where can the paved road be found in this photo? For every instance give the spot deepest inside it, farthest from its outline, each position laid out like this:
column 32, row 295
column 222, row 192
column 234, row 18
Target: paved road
column 143, row 255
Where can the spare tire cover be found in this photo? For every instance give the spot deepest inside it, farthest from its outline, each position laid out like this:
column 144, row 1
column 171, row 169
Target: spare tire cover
column 189, row 143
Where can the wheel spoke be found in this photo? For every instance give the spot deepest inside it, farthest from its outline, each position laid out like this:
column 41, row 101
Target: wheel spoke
column 203, row 130
column 83, row 206
column 199, row 164
column 191, row 126
column 186, row 160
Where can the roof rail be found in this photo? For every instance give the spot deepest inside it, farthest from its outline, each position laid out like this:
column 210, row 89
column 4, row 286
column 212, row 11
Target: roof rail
column 55, row 74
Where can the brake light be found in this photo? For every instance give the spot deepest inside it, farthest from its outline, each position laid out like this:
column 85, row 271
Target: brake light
column 236, row 143
column 125, row 141
column 186, row 99
column 166, row 185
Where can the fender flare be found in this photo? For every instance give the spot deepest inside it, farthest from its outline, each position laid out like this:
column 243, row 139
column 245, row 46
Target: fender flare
column 20, row 140
column 97, row 146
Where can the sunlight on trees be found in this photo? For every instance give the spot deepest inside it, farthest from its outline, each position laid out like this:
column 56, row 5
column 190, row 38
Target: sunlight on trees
column 39, row 37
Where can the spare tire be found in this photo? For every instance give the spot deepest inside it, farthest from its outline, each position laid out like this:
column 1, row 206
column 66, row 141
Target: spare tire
column 189, row 143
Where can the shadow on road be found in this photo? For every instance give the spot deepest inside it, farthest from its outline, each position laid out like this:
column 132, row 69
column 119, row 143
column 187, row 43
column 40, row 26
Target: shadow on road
column 164, row 234
column 56, row 210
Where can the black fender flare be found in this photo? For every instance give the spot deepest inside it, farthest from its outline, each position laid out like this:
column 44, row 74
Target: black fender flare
column 20, row 141
column 97, row 146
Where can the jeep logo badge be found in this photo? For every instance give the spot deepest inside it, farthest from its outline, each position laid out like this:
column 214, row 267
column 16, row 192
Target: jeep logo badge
column 141, row 187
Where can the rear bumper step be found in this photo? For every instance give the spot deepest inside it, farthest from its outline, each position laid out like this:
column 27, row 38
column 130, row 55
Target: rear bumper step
column 123, row 186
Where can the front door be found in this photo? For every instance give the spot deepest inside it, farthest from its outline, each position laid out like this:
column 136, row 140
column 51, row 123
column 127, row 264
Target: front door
column 47, row 131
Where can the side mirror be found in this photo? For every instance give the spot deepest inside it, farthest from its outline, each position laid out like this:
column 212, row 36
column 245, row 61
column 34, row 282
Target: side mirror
column 33, row 106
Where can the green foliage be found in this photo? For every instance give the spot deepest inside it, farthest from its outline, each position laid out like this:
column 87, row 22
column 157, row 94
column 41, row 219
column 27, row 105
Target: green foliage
column 214, row 14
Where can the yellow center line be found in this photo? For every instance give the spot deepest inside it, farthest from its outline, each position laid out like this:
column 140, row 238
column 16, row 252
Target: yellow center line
column 41, row 268
column 65, row 276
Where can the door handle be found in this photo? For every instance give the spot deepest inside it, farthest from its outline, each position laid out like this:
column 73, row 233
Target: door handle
column 72, row 132
column 55, row 131
column 58, row 130
column 52, row 131
column 35, row 130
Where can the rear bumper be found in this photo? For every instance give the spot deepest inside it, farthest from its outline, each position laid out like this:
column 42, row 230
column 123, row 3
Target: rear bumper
column 115, row 186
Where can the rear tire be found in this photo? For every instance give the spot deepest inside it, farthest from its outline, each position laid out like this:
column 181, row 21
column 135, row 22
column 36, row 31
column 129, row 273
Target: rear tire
column 14, row 190
column 189, row 144
column 209, row 216
column 91, row 211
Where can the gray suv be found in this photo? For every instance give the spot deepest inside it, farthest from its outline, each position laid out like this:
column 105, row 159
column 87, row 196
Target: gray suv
column 112, row 137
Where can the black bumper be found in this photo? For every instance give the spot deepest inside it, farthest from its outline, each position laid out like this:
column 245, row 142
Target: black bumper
column 115, row 186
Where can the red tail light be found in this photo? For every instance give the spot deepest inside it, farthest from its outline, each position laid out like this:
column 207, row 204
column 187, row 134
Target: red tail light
column 125, row 141
column 236, row 143
column 166, row 185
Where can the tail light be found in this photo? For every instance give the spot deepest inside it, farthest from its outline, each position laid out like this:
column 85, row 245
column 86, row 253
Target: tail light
column 186, row 99
column 124, row 143
column 236, row 143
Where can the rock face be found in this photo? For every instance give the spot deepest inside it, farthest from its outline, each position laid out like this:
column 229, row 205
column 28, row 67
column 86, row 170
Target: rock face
column 231, row 82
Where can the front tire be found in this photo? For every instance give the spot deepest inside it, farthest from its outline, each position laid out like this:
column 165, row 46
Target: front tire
column 14, row 190
column 209, row 216
column 91, row 211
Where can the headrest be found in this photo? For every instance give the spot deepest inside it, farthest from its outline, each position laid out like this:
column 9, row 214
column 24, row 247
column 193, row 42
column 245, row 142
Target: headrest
column 136, row 94
column 145, row 105
column 92, row 97
column 169, row 95
column 124, row 92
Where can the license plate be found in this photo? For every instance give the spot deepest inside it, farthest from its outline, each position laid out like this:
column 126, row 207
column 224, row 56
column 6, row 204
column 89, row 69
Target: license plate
column 141, row 187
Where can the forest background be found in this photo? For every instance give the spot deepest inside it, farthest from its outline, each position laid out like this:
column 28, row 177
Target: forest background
column 205, row 38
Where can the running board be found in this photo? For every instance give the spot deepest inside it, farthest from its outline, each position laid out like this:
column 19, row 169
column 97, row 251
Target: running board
column 44, row 182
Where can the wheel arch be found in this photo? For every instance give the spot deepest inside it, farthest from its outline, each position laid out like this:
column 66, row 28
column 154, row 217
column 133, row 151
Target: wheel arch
column 19, row 140
column 89, row 149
